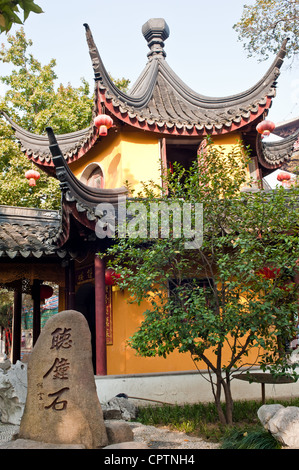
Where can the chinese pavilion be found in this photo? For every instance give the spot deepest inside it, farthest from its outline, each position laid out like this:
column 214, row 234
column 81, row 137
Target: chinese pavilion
column 159, row 121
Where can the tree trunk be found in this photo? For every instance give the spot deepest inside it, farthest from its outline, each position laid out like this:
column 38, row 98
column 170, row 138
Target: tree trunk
column 217, row 397
column 227, row 417
column 228, row 401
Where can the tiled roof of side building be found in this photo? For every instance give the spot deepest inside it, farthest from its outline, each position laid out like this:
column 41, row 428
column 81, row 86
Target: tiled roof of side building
column 286, row 128
column 26, row 232
column 279, row 153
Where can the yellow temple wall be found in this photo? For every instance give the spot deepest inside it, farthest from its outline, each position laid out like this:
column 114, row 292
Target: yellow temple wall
column 227, row 141
column 141, row 159
column 122, row 359
column 130, row 156
column 107, row 154
column 134, row 157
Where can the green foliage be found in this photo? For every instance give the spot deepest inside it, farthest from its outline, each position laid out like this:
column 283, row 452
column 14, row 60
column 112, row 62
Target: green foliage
column 9, row 10
column 5, row 315
column 201, row 419
column 121, row 83
column 6, row 305
column 34, row 102
column 257, row 438
column 239, row 311
column 32, row 99
column 264, row 25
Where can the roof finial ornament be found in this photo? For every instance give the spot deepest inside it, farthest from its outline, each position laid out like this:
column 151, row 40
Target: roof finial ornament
column 155, row 31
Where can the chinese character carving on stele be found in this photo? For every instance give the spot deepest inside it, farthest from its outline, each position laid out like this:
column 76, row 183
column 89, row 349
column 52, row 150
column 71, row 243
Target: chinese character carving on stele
column 61, row 338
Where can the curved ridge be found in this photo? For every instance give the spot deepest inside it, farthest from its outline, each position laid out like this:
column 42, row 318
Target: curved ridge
column 68, row 180
column 203, row 100
column 142, row 89
column 37, row 145
column 102, row 76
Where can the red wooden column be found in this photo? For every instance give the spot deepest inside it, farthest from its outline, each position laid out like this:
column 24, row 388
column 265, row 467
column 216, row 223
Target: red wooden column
column 100, row 316
column 70, row 285
column 16, row 326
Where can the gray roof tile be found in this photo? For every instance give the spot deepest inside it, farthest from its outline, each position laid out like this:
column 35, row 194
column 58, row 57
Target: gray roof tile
column 159, row 101
column 26, row 232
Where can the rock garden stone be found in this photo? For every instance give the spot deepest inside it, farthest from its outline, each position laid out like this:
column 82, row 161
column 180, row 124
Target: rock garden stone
column 282, row 422
column 118, row 431
column 119, row 407
column 13, row 391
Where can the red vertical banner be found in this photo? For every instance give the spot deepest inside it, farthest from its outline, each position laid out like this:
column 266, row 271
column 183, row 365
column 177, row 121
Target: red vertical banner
column 109, row 318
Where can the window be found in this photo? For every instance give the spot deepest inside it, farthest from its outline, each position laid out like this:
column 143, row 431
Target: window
column 184, row 152
column 93, row 176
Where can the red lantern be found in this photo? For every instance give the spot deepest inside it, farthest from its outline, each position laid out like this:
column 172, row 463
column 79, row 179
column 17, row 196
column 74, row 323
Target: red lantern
column 283, row 176
column 265, row 127
column 111, row 277
column 32, row 176
column 45, row 291
column 103, row 122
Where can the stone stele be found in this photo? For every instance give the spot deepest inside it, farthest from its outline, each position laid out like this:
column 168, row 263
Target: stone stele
column 62, row 405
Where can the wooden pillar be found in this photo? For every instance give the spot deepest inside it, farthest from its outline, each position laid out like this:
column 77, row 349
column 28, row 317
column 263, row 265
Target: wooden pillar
column 163, row 163
column 100, row 316
column 70, row 285
column 36, row 309
column 16, row 326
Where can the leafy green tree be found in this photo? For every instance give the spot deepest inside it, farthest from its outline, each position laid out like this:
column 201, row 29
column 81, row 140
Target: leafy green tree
column 264, row 25
column 5, row 308
column 121, row 83
column 216, row 301
column 33, row 102
column 9, row 10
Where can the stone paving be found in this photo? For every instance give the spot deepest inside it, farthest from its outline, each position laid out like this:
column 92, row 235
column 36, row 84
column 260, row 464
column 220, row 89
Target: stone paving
column 145, row 437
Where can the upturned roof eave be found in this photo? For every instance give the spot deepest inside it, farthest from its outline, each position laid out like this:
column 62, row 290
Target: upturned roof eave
column 36, row 147
column 130, row 108
column 69, row 183
column 101, row 75
column 273, row 155
column 145, row 79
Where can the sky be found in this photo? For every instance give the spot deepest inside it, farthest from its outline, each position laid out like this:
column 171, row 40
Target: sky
column 202, row 49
